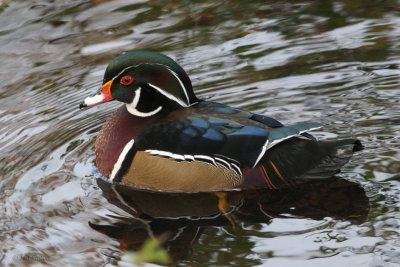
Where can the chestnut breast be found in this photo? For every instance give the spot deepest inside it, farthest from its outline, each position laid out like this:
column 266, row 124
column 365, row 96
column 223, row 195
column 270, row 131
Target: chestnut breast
column 117, row 131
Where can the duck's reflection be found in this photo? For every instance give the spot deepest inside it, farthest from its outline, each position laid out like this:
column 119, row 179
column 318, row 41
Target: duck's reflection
column 179, row 219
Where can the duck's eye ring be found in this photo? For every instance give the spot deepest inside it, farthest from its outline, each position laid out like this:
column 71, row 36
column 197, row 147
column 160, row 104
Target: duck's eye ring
column 126, row 80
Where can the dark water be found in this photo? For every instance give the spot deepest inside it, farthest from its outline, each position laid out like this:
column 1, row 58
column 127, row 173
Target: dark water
column 335, row 62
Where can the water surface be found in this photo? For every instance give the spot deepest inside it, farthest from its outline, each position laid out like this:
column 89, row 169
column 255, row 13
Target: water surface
column 335, row 62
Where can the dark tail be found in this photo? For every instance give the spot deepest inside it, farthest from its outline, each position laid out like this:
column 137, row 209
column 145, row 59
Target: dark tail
column 298, row 159
column 338, row 154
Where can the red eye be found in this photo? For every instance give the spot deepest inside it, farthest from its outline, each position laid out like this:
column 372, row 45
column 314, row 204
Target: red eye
column 126, row 80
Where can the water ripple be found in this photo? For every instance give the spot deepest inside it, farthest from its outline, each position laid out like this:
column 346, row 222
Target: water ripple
column 335, row 63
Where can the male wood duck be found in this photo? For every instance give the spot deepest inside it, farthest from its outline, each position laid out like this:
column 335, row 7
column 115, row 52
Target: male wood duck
column 166, row 139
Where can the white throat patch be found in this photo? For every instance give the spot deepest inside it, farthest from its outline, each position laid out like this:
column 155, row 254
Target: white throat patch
column 132, row 107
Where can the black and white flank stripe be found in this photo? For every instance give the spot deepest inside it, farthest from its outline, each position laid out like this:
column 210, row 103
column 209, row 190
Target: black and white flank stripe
column 215, row 160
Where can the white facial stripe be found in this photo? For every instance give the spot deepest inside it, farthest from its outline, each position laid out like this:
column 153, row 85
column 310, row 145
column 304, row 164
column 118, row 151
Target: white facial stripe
column 168, row 95
column 132, row 106
column 118, row 164
column 122, row 71
column 181, row 83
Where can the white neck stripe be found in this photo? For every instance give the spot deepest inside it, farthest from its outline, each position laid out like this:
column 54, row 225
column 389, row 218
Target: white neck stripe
column 132, row 107
column 143, row 114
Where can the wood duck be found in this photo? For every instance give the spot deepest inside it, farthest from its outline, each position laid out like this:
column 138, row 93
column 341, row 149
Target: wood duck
column 166, row 139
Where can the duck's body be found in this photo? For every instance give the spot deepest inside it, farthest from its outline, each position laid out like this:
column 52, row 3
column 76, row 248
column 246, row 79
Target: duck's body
column 166, row 139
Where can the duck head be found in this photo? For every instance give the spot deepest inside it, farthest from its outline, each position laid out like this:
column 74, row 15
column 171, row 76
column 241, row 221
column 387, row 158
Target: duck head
column 147, row 82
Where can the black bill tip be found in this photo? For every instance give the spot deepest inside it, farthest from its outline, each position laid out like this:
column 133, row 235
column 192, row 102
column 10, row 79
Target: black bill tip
column 82, row 105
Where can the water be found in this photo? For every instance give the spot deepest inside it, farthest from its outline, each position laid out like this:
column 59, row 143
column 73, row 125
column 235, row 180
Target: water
column 331, row 62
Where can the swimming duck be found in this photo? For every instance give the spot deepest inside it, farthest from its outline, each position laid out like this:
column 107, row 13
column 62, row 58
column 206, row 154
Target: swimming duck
column 164, row 138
